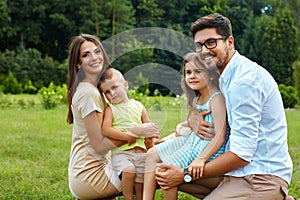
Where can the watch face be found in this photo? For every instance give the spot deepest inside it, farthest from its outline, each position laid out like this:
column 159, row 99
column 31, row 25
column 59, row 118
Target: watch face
column 187, row 178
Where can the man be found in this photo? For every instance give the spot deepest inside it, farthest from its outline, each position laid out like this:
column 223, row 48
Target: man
column 257, row 164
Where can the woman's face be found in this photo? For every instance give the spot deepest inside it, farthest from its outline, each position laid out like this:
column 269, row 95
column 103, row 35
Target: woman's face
column 91, row 58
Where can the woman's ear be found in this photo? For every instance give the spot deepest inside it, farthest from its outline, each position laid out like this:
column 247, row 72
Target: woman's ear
column 126, row 85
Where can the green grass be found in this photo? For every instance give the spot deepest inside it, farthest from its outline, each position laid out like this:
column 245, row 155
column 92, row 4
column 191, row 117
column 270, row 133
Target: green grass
column 35, row 144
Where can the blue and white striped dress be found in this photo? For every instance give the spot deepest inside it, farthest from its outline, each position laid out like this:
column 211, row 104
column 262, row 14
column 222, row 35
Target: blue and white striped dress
column 183, row 150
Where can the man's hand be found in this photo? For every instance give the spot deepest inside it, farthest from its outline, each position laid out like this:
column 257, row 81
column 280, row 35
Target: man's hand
column 168, row 176
column 202, row 128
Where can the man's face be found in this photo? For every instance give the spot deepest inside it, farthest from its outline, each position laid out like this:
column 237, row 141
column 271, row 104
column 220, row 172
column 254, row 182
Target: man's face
column 215, row 49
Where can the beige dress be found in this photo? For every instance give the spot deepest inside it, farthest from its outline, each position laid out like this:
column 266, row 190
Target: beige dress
column 90, row 174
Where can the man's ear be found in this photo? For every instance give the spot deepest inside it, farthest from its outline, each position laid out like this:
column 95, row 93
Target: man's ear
column 231, row 41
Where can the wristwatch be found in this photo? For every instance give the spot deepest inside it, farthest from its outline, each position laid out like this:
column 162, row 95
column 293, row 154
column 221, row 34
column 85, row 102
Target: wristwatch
column 187, row 178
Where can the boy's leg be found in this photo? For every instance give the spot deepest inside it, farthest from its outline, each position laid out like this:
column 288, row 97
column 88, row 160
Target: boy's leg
column 138, row 191
column 127, row 183
column 258, row 187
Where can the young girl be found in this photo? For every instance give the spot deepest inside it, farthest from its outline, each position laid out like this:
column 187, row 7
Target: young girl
column 190, row 151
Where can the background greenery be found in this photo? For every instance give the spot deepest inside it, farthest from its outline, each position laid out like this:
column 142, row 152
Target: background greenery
column 35, row 145
column 34, row 35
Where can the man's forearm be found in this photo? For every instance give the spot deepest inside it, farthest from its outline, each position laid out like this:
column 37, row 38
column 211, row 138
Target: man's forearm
column 222, row 164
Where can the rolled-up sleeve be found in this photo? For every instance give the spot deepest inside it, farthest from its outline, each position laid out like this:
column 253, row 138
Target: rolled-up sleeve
column 246, row 101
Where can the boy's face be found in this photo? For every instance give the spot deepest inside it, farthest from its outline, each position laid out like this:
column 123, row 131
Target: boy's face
column 115, row 90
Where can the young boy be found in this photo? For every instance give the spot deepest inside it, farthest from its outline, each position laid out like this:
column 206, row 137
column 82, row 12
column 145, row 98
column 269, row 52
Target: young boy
column 119, row 117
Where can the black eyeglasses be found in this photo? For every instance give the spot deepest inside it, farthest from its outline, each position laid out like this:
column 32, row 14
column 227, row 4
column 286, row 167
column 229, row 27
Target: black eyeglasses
column 210, row 43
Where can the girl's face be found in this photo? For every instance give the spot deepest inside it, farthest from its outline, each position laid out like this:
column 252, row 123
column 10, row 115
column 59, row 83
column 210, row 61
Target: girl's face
column 196, row 78
column 115, row 90
column 91, row 58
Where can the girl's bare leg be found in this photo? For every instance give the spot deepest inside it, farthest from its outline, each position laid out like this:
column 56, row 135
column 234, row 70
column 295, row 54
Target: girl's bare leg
column 171, row 194
column 152, row 159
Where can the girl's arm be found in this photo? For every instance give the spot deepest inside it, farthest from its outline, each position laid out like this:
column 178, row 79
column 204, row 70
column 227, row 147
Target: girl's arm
column 219, row 114
column 147, row 129
column 113, row 133
column 100, row 143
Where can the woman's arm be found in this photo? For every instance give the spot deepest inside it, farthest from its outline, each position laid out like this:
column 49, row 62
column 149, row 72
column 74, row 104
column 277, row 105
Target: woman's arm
column 218, row 109
column 100, row 143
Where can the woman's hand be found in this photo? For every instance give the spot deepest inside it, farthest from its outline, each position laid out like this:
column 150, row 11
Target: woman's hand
column 168, row 176
column 146, row 130
column 202, row 128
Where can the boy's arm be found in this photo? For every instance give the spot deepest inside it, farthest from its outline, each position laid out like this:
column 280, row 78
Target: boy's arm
column 145, row 117
column 149, row 142
column 111, row 132
column 219, row 114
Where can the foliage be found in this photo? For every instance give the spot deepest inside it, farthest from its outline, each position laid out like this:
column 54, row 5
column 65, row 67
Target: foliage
column 53, row 95
column 31, row 69
column 34, row 39
column 11, row 84
column 275, row 46
column 289, row 96
column 296, row 75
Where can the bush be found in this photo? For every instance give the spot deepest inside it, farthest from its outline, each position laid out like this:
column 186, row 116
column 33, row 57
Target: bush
column 289, row 96
column 53, row 95
column 11, row 85
column 4, row 100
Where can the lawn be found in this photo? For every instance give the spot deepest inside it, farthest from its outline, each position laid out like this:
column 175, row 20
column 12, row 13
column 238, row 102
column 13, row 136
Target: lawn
column 35, row 146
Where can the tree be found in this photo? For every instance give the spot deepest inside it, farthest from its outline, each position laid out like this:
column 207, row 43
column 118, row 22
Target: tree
column 296, row 76
column 280, row 47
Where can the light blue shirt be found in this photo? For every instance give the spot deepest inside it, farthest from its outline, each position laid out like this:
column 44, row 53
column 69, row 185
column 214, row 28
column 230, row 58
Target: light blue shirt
column 257, row 119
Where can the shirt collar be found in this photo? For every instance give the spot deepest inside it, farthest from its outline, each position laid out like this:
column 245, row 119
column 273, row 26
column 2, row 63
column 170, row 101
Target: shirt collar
column 230, row 68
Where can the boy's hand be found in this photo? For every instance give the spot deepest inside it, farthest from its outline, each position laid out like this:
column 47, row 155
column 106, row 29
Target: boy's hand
column 130, row 138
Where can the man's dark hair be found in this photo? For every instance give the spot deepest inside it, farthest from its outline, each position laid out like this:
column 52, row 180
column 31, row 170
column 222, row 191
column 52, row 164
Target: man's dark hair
column 215, row 20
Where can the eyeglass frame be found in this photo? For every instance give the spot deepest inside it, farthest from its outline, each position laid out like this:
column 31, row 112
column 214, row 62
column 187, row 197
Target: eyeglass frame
column 204, row 43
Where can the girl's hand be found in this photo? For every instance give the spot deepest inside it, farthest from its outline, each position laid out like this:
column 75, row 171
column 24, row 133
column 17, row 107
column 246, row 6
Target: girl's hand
column 196, row 168
column 146, row 130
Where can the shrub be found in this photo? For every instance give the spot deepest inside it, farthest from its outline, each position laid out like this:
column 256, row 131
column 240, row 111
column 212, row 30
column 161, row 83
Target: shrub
column 288, row 94
column 11, row 84
column 29, row 88
column 4, row 100
column 49, row 96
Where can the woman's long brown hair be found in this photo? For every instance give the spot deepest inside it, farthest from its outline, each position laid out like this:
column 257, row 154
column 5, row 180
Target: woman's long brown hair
column 74, row 75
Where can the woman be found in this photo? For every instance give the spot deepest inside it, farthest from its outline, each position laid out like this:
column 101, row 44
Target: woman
column 90, row 173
